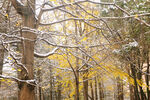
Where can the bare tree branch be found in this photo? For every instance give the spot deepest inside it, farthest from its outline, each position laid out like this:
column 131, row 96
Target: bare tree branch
column 45, row 55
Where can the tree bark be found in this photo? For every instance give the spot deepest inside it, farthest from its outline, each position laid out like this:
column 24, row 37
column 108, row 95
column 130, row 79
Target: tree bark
column 147, row 77
column 38, row 87
column 101, row 89
column 120, row 95
column 85, row 84
column 139, row 76
column 51, row 84
column 59, row 92
column 26, row 91
column 77, row 95
column 92, row 91
column 1, row 60
column 136, row 92
column 96, row 96
column 131, row 92
column 77, row 81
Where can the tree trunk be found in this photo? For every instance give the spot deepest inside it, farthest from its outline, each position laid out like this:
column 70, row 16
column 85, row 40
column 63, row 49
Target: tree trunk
column 77, row 82
column 92, row 91
column 85, row 84
column 96, row 96
column 40, row 93
column 147, row 77
column 131, row 92
column 1, row 60
column 27, row 12
column 136, row 92
column 51, row 84
column 139, row 76
column 26, row 91
column 39, row 90
column 130, row 85
column 77, row 95
column 101, row 89
column 120, row 95
column 59, row 92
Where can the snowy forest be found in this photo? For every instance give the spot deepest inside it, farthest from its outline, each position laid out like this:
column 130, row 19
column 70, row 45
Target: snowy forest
column 74, row 50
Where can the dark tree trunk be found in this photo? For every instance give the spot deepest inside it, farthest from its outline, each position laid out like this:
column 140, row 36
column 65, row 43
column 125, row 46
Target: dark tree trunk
column 147, row 77
column 101, row 89
column 92, row 91
column 59, row 92
column 131, row 92
column 85, row 89
column 77, row 80
column 59, row 89
column 1, row 60
column 120, row 95
column 139, row 76
column 77, row 95
column 131, row 88
column 136, row 92
column 96, row 96
column 51, row 84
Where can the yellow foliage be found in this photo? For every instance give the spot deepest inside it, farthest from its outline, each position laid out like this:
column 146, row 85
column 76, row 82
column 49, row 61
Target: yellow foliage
column 86, row 47
column 69, row 98
column 19, row 70
column 96, row 57
column 85, row 75
column 84, row 39
column 53, row 0
column 131, row 80
column 2, row 80
column 9, row 81
column 139, row 82
column 6, row 15
column 40, row 28
column 13, row 69
column 136, row 16
column 72, row 93
column 9, row 58
column 80, row 79
column 110, row 87
column 18, row 24
column 92, row 74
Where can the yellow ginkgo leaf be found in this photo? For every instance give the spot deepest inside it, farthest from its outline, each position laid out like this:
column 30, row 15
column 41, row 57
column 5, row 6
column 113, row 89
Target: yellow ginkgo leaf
column 6, row 15
column 19, row 70
column 136, row 16
column 39, row 68
column 65, row 1
column 17, row 24
column 9, row 81
column 9, row 58
column 86, row 47
column 52, row 0
column 2, row 80
column 84, row 39
column 13, row 69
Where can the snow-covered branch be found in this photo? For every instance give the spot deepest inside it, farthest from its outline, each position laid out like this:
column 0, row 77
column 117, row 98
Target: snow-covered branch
column 31, row 82
column 18, row 5
column 47, row 54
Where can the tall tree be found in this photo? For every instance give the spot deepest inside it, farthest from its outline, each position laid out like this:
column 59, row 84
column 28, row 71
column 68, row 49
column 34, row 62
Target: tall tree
column 1, row 59
column 27, row 12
